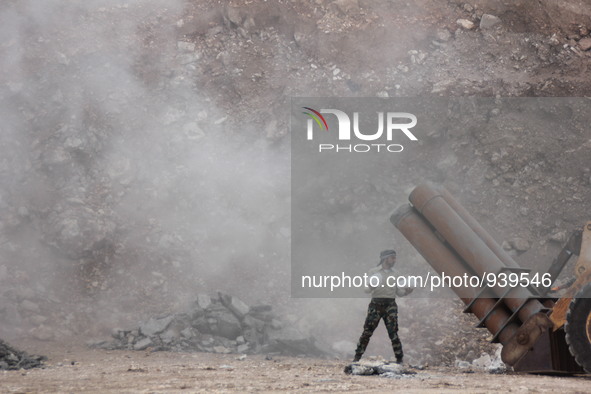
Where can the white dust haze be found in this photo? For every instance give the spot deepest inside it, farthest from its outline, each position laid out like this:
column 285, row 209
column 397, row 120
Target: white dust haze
column 123, row 190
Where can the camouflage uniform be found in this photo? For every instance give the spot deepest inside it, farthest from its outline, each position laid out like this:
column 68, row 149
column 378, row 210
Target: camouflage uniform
column 383, row 305
column 381, row 308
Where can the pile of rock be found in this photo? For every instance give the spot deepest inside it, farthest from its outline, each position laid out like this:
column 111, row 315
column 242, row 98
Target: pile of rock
column 384, row 369
column 220, row 324
column 485, row 363
column 12, row 359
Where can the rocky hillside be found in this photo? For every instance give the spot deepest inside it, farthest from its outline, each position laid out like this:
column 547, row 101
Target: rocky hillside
column 145, row 159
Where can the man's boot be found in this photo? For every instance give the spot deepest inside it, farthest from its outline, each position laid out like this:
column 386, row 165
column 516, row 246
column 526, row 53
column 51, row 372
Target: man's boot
column 399, row 359
column 357, row 357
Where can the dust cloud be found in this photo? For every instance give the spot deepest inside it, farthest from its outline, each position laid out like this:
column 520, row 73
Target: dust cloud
column 124, row 190
column 131, row 177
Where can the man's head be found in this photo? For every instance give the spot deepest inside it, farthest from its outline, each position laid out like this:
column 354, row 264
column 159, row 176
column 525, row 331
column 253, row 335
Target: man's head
column 387, row 258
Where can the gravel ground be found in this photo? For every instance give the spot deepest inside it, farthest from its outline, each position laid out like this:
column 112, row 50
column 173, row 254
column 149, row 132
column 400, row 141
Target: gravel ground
column 74, row 368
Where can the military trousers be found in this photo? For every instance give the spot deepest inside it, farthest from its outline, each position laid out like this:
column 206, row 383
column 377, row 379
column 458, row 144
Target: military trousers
column 381, row 309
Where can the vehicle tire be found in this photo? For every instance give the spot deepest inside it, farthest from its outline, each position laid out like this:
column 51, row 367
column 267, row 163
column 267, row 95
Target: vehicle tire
column 578, row 327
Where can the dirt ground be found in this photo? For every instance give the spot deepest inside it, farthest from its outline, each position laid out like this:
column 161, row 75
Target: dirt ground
column 77, row 369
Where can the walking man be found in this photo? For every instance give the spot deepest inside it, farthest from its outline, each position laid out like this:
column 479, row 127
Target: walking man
column 382, row 305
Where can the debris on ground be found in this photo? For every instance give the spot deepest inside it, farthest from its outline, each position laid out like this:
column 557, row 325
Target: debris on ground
column 381, row 368
column 12, row 359
column 217, row 324
column 485, row 363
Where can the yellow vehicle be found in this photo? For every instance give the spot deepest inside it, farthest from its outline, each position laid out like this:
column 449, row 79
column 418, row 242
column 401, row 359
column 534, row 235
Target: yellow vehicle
column 572, row 312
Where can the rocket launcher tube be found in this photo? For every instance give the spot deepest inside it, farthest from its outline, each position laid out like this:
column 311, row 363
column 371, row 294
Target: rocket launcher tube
column 420, row 234
column 472, row 249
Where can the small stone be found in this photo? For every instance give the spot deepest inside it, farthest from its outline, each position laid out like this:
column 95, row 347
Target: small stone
column 155, row 326
column 487, row 21
column 214, row 31
column 465, row 24
column 226, row 325
column 187, row 332
column 169, row 336
column 442, row 86
column 189, row 58
column 243, row 32
column 299, row 38
column 553, row 40
column 585, row 44
column 249, row 24
column 520, row 244
column 117, row 333
column 483, row 362
column 238, row 307
column 234, row 15
column 383, row 94
column 360, row 369
column 98, row 344
column 193, row 131
column 235, row 305
column 203, row 301
column 443, row 35
column 573, row 37
column 462, row 364
column 221, row 349
column 390, row 368
column 559, row 237
column 220, row 120
column 142, row 344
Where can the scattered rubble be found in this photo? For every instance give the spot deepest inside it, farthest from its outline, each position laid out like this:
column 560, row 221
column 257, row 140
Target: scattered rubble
column 220, row 324
column 12, row 359
column 383, row 369
column 485, row 363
